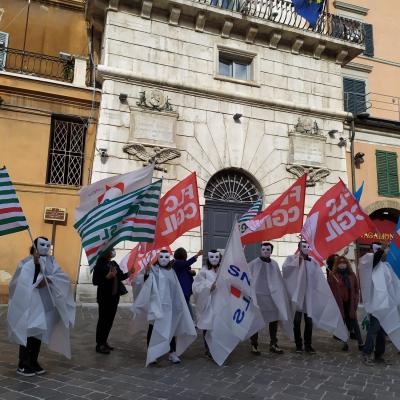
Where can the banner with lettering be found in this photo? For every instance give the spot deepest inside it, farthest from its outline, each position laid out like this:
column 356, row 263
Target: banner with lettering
column 335, row 221
column 179, row 211
column 283, row 216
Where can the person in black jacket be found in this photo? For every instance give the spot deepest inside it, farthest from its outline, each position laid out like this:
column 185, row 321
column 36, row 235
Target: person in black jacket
column 108, row 277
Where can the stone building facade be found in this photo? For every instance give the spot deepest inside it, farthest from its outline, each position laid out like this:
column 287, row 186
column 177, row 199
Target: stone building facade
column 246, row 98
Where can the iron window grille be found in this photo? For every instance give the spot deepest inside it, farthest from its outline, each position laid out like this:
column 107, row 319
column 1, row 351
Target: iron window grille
column 232, row 186
column 67, row 151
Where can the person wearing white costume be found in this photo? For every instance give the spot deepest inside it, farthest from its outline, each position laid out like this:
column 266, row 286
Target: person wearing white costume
column 311, row 295
column 203, row 289
column 272, row 298
column 380, row 289
column 161, row 304
column 39, row 311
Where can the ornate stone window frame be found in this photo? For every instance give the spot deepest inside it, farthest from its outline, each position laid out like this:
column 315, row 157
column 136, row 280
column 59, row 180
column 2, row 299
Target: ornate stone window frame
column 239, row 54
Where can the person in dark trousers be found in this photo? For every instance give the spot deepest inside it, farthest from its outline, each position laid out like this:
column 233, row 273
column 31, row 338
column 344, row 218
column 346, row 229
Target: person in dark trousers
column 108, row 277
column 184, row 272
column 344, row 285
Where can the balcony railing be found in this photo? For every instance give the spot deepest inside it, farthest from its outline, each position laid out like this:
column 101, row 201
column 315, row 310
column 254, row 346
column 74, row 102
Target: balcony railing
column 36, row 64
column 283, row 12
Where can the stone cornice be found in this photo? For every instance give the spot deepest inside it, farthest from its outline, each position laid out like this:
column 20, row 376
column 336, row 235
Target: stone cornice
column 359, row 67
column 104, row 72
column 341, row 5
column 71, row 4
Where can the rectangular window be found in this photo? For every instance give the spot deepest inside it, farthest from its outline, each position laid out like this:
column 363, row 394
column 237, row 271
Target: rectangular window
column 354, row 95
column 67, row 150
column 387, row 173
column 369, row 40
column 3, row 49
column 237, row 69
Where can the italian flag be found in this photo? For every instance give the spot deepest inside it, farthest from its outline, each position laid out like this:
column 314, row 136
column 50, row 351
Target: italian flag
column 12, row 218
column 130, row 217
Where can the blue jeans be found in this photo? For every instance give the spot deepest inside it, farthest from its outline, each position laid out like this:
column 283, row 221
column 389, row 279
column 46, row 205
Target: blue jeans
column 375, row 339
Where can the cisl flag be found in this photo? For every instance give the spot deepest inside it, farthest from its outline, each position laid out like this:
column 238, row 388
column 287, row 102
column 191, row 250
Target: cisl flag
column 335, row 221
column 283, row 216
column 141, row 256
column 179, row 211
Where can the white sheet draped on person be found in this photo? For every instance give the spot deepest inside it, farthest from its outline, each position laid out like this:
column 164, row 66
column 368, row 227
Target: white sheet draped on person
column 31, row 311
column 236, row 315
column 310, row 293
column 202, row 296
column 380, row 289
column 272, row 297
column 161, row 302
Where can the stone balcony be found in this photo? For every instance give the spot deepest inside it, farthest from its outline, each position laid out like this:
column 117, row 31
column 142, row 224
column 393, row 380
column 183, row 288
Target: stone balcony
column 269, row 22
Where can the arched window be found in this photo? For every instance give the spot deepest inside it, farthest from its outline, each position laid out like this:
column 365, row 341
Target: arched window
column 232, row 185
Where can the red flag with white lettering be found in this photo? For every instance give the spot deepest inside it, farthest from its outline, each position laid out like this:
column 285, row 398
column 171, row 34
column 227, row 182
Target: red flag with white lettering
column 179, row 211
column 335, row 221
column 283, row 216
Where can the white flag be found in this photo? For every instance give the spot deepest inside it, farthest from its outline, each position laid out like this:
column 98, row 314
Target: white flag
column 237, row 315
column 110, row 188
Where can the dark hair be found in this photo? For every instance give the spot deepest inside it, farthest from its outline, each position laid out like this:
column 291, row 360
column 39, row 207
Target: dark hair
column 343, row 260
column 32, row 249
column 299, row 244
column 330, row 261
column 377, row 257
column 268, row 244
column 180, row 254
column 209, row 266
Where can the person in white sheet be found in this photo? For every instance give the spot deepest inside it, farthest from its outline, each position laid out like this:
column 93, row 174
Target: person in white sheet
column 380, row 289
column 161, row 304
column 311, row 296
column 272, row 298
column 203, row 289
column 39, row 311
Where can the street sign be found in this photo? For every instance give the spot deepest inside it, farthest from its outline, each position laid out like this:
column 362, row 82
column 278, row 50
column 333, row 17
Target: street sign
column 55, row 214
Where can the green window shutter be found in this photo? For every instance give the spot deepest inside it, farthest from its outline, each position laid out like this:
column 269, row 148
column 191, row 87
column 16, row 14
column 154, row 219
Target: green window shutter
column 387, row 173
column 369, row 40
column 354, row 95
column 3, row 47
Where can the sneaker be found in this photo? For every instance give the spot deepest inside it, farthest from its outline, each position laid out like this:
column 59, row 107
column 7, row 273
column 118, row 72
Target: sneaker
column 155, row 362
column 309, row 350
column 109, row 347
column 24, row 371
column 345, row 347
column 360, row 347
column 208, row 354
column 254, row 350
column 38, row 369
column 381, row 360
column 274, row 348
column 174, row 358
column 299, row 349
column 367, row 360
column 102, row 349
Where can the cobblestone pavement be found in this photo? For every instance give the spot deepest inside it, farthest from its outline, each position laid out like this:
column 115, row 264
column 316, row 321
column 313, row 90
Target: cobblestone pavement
column 330, row 374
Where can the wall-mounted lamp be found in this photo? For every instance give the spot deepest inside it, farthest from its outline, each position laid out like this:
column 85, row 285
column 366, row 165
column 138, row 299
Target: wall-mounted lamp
column 342, row 142
column 358, row 159
column 123, row 97
column 332, row 133
column 103, row 155
column 237, row 117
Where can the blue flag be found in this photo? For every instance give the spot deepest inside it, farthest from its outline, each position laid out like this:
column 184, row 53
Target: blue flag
column 359, row 192
column 393, row 256
column 309, row 9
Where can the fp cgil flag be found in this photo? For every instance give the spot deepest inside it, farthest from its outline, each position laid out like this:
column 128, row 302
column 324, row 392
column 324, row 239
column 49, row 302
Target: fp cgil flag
column 179, row 211
column 283, row 216
column 335, row 221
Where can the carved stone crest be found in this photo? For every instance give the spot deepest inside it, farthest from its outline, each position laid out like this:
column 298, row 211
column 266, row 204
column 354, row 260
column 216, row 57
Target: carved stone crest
column 314, row 175
column 307, row 126
column 156, row 155
column 154, row 99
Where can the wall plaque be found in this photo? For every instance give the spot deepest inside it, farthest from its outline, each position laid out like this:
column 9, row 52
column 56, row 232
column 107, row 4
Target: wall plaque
column 307, row 150
column 55, row 214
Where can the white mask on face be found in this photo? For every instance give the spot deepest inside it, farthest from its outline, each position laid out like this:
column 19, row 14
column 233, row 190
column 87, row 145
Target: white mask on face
column 163, row 259
column 43, row 247
column 376, row 247
column 266, row 251
column 305, row 248
column 342, row 266
column 214, row 258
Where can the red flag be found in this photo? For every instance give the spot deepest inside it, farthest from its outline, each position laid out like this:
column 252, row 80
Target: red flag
column 283, row 216
column 179, row 211
column 141, row 256
column 335, row 221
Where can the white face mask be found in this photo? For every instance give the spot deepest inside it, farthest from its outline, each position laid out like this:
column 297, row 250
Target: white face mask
column 376, row 247
column 214, row 258
column 43, row 247
column 266, row 251
column 305, row 248
column 163, row 259
column 342, row 266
